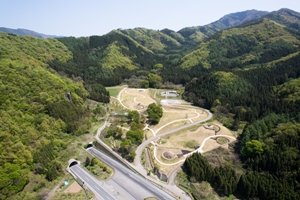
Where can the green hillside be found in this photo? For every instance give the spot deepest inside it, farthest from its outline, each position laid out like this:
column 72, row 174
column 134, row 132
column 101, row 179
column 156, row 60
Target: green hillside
column 244, row 68
column 35, row 114
column 255, row 43
column 289, row 91
column 107, row 59
column 154, row 40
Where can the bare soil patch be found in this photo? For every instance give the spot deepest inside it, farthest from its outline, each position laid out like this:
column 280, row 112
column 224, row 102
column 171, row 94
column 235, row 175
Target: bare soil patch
column 73, row 188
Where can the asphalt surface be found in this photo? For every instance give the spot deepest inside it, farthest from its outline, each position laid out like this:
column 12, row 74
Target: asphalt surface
column 91, row 183
column 126, row 176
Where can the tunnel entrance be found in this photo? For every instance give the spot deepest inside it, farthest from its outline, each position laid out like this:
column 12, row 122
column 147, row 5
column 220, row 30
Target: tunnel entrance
column 73, row 163
column 89, row 145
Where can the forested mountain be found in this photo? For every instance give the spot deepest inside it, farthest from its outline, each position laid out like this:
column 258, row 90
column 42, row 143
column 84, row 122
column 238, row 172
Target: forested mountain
column 38, row 109
column 107, row 59
column 23, row 32
column 255, row 43
column 198, row 33
column 245, row 67
column 286, row 17
column 251, row 76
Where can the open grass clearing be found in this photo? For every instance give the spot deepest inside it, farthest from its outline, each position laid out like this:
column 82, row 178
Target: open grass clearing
column 177, row 113
column 148, row 134
column 182, row 138
column 63, row 196
column 213, row 144
column 136, row 99
column 167, row 169
column 222, row 140
column 188, row 138
column 173, row 126
column 114, row 91
column 162, row 151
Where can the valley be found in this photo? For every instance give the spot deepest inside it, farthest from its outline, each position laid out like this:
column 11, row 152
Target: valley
column 206, row 112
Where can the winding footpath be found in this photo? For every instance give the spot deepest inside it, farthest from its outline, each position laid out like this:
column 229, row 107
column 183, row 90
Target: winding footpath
column 170, row 186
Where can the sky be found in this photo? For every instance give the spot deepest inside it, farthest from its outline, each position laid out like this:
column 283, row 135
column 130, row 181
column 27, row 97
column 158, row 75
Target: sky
column 98, row 17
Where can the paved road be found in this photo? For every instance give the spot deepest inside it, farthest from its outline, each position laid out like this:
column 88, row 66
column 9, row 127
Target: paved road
column 137, row 160
column 173, row 175
column 141, row 183
column 91, row 183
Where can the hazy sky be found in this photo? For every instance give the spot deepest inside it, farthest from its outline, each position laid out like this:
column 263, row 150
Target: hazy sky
column 98, row 17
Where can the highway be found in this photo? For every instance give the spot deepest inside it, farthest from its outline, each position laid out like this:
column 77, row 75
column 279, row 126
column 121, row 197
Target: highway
column 141, row 184
column 91, row 183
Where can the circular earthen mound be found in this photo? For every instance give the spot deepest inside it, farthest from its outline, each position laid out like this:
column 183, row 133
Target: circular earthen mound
column 168, row 155
column 139, row 107
column 222, row 140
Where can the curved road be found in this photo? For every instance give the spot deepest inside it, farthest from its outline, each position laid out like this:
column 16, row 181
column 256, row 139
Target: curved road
column 137, row 160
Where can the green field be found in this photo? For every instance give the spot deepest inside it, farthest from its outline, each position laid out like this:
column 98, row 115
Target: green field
column 114, row 91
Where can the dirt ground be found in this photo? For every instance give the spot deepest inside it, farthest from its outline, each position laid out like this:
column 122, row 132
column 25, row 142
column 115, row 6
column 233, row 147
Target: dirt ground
column 73, row 188
column 183, row 113
column 213, row 144
column 136, row 99
column 181, row 138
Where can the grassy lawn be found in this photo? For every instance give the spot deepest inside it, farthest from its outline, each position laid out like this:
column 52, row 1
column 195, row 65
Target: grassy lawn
column 76, row 196
column 114, row 91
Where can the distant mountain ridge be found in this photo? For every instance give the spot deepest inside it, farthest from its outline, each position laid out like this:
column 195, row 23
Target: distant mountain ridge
column 23, row 32
column 198, row 33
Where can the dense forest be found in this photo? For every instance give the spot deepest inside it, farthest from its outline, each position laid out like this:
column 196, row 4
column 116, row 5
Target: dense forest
column 40, row 112
column 252, row 78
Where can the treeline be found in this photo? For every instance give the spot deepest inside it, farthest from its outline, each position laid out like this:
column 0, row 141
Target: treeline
column 223, row 179
column 270, row 149
column 253, row 100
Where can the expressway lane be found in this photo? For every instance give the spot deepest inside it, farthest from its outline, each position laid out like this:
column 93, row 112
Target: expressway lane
column 91, row 183
column 140, row 183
